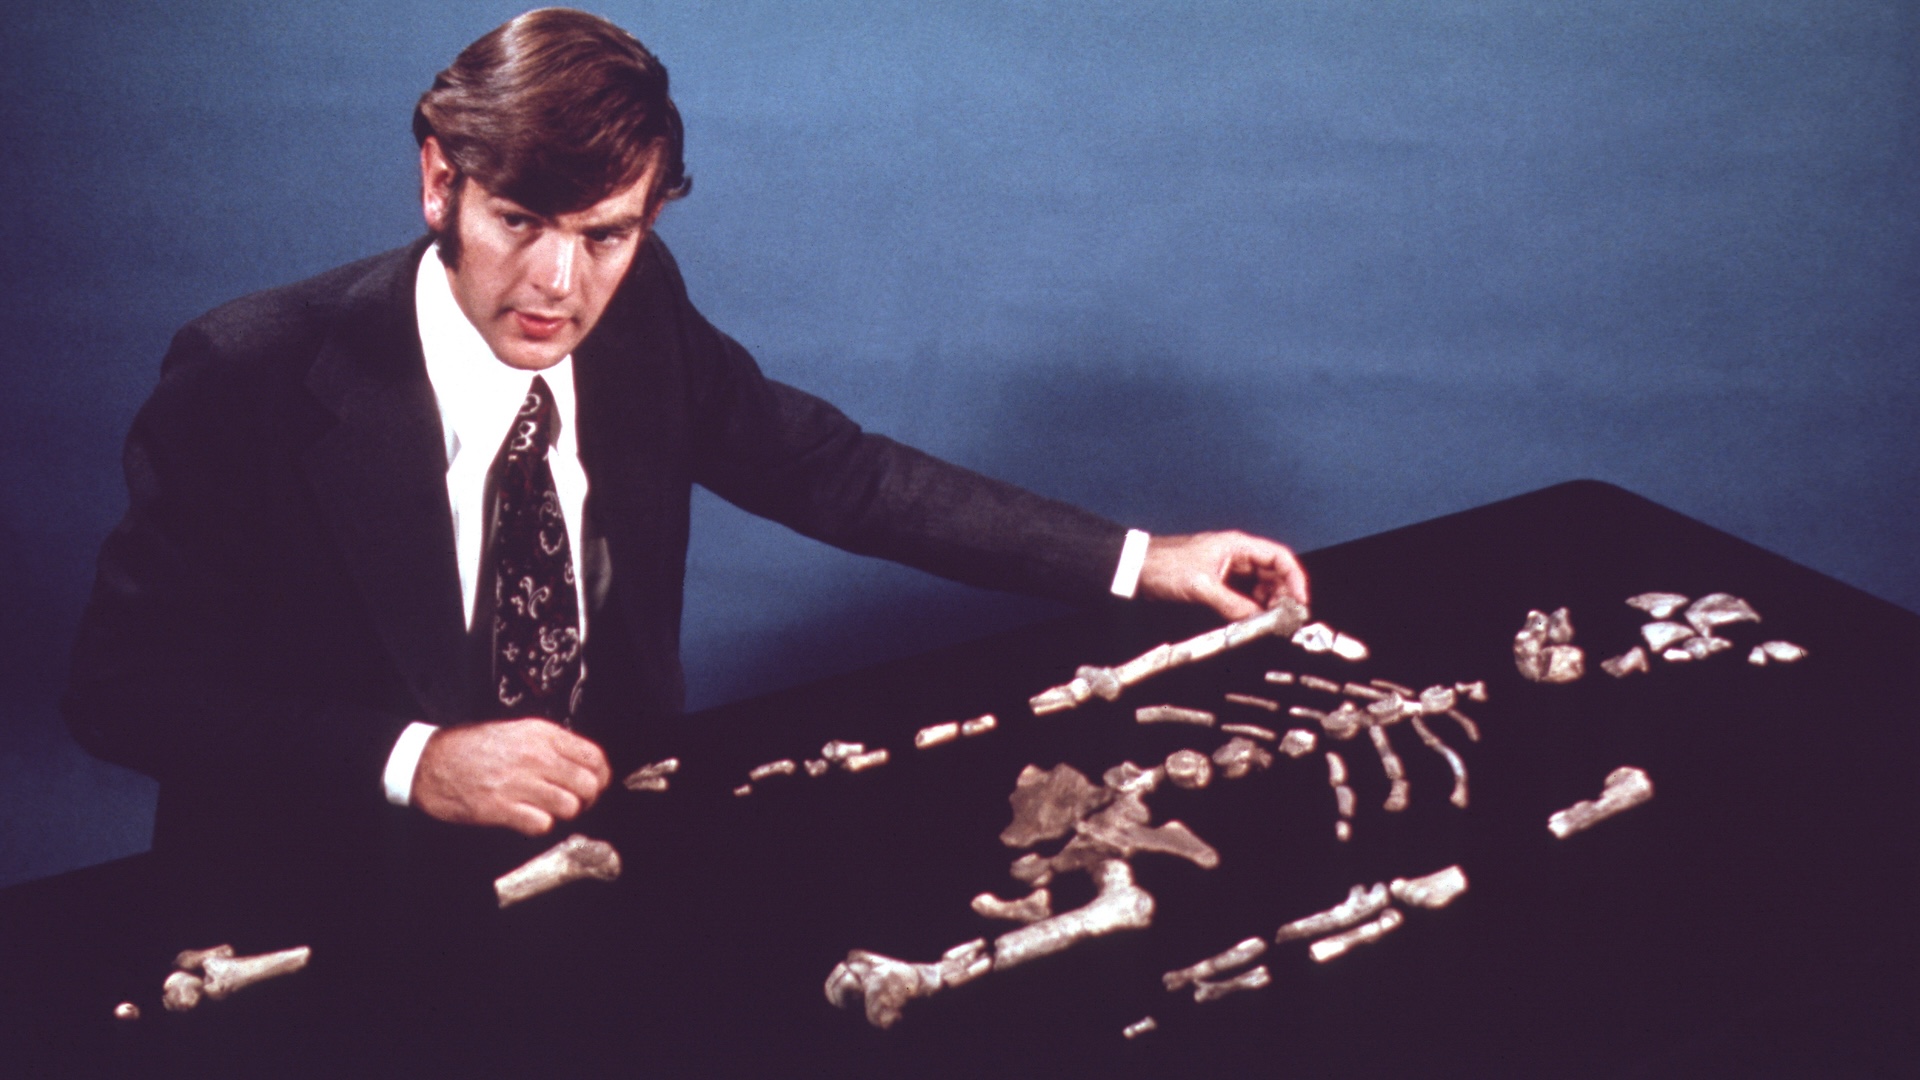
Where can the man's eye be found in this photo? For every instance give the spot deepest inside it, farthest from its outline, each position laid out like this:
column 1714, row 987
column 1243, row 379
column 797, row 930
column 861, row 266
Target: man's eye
column 607, row 237
column 516, row 221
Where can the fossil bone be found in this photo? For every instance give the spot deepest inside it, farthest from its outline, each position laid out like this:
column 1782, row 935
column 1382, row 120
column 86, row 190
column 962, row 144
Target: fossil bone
column 1436, row 890
column 181, row 991
column 1189, row 769
column 1717, row 610
column 1103, row 683
column 1251, row 731
column 192, row 959
column 226, row 975
column 862, row 762
column 1542, row 652
column 1283, row 618
column 1466, row 724
column 1244, row 953
column 887, row 984
column 126, row 1010
column 1347, row 647
column 1396, row 773
column 743, row 791
column 1240, row 756
column 1327, row 948
column 1314, row 638
column 1364, row 692
column 838, row 750
column 1140, row 1027
column 571, row 859
column 1172, row 714
column 817, row 766
column 1786, row 652
column 1659, row 605
column 1047, row 803
column 1361, row 903
column 1207, row 990
column 935, row 734
column 1473, row 691
column 1120, row 905
column 1297, row 742
column 1438, row 699
column 1344, row 722
column 1315, row 682
column 1459, row 796
column 1280, row 678
column 783, row 767
column 652, row 777
column 1392, row 687
column 1634, row 659
column 1663, row 635
column 979, row 725
column 1035, row 906
column 1626, row 787
column 1254, row 701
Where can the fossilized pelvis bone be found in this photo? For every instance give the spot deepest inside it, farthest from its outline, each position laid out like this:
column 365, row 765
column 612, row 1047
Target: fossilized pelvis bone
column 571, row 859
column 887, row 984
column 1121, row 905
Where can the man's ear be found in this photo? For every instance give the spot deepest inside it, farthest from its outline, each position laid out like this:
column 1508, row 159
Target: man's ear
column 437, row 177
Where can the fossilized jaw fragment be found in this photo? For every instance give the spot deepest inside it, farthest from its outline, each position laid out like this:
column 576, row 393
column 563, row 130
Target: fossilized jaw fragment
column 652, row 777
column 887, row 984
column 1033, row 907
column 1140, row 1027
column 1208, row 990
column 226, row 975
column 1172, row 714
column 1121, row 905
column 1717, row 610
column 1436, row 890
column 1361, row 903
column 1659, row 605
column 1189, row 769
column 1327, row 948
column 1785, row 652
column 1244, row 953
column 1626, row 787
column 571, row 859
column 1634, row 659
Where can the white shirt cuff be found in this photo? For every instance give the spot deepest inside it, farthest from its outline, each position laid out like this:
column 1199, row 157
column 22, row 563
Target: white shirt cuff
column 1133, row 555
column 404, row 761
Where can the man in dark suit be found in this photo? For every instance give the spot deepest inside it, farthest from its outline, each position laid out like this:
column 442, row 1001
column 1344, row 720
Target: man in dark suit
column 307, row 598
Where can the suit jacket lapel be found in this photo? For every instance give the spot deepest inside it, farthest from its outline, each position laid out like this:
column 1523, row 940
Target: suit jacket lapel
column 379, row 476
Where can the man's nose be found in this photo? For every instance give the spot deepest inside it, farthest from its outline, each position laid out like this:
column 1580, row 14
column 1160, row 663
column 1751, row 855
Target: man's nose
column 552, row 269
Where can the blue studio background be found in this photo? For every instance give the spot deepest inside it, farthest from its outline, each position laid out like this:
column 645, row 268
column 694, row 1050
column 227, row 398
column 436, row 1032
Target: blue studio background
column 1314, row 269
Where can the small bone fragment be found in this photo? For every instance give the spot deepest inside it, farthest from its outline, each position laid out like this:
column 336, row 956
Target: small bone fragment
column 1717, row 610
column 1392, row 687
column 1238, row 756
column 1659, row 605
column 1243, row 953
column 1530, row 647
column 1127, row 778
column 862, row 762
column 1474, row 691
column 192, row 959
column 1396, row 773
column 1361, row 903
column 1676, row 655
column 1437, row 699
column 1205, row 991
column 1344, row 722
column 1336, row 769
column 817, row 767
column 1280, row 678
column 935, row 734
column 1436, row 890
column 1634, row 659
column 783, row 767
column 1301, row 712
column 1757, row 657
column 1342, row 831
column 1347, row 647
column 1337, row 780
column 1786, row 652
column 1140, row 1027
column 1565, row 663
column 1189, row 769
column 743, row 791
column 1048, row 802
column 1316, row 638
column 1626, row 787
column 1121, row 905
column 1459, row 796
column 1102, row 682
column 1254, row 701
column 1364, row 692
column 1032, row 869
column 1297, row 742
column 1466, row 724
column 126, row 1010
column 887, row 984
column 1560, row 627
column 181, row 991
column 572, row 859
column 1327, row 948
column 838, row 751
column 979, row 725
column 229, row 975
column 1035, row 906
column 1704, row 645
column 652, row 777
column 1121, row 830
column 1252, row 731
column 1315, row 682
column 1662, row 635
column 1172, row 714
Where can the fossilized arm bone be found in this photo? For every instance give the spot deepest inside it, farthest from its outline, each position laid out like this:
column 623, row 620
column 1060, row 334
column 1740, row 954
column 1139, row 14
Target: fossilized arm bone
column 1626, row 787
column 571, row 859
column 887, row 984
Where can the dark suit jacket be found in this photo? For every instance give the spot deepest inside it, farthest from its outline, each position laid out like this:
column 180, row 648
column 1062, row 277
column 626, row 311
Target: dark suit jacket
column 281, row 598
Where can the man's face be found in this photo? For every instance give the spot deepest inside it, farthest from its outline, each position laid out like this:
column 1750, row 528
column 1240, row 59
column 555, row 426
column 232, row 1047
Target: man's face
column 533, row 285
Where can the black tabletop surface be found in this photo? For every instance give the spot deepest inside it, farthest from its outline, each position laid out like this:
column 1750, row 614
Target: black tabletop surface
column 1756, row 917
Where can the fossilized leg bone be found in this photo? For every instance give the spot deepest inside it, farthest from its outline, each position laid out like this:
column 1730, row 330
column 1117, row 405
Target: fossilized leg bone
column 887, row 984
column 1243, row 953
column 1206, row 990
column 191, row 959
column 1459, row 796
column 1361, row 903
column 1436, row 890
column 1327, row 948
column 1626, row 787
column 181, row 991
column 1121, row 905
column 227, row 975
column 1035, row 906
column 571, row 859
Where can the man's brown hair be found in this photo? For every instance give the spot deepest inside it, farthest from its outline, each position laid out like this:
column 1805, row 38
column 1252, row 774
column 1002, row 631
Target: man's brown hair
column 555, row 109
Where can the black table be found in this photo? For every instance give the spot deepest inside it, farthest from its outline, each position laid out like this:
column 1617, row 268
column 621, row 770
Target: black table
column 1755, row 918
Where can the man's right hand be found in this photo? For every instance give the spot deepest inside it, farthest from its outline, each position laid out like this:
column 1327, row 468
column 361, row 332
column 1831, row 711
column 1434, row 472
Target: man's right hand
column 520, row 774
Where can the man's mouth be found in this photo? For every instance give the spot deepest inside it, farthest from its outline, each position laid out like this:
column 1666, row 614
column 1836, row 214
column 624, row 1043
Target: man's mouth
column 538, row 327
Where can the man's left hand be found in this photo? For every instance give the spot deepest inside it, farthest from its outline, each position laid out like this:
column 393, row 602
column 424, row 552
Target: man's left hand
column 1235, row 574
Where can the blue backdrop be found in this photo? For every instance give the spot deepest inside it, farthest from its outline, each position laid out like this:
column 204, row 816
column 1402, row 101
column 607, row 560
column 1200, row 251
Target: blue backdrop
column 1312, row 269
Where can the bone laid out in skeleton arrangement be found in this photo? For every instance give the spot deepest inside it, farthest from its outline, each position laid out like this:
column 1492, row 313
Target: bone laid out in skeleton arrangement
column 1172, row 714
column 181, row 991
column 1717, row 610
column 227, row 975
column 838, row 750
column 1634, row 659
column 1348, row 647
column 783, row 767
column 1472, row 691
column 979, row 725
column 1543, row 652
column 1626, row 787
column 1466, row 724
column 1244, row 953
column 1140, row 1027
column 1189, row 769
column 1283, row 618
column 1208, row 990
column 1785, row 652
column 1280, row 678
column 1120, row 905
column 1434, row 891
column 1391, row 687
column 886, row 984
column 936, row 734
column 1344, row 722
column 1437, row 699
column 1251, row 731
column 192, row 959
column 1396, row 773
column 1315, row 682
column 817, row 766
column 1033, row 907
column 1459, row 796
column 1254, row 701
column 126, row 1010
column 1661, row 636
column 1701, row 646
column 1301, row 712
column 573, row 859
column 1361, row 903
column 1342, row 794
column 652, row 777
column 1364, row 692
column 1327, row 948
column 1658, row 605
column 1314, row 638
column 862, row 762
column 1239, row 756
column 743, row 791
column 1297, row 743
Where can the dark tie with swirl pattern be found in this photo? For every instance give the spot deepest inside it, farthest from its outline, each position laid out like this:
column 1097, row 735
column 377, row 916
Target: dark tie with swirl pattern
column 536, row 663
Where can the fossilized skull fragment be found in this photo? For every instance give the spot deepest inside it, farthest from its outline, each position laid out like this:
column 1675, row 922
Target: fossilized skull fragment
column 572, row 859
column 1626, row 787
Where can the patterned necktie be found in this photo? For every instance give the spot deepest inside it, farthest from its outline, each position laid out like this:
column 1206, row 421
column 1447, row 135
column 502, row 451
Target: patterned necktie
column 536, row 663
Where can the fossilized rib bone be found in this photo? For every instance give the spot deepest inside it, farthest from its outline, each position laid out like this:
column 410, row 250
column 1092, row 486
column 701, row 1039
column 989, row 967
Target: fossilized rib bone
column 1254, row 701
column 1172, row 714
column 1327, row 948
column 1436, row 890
column 1361, row 903
column 652, row 777
column 1035, row 906
column 1459, row 796
column 1251, row 731
column 571, row 859
column 1243, row 953
column 1626, row 787
column 226, row 975
column 887, row 984
column 862, row 762
column 1205, row 991
column 1121, row 905
column 979, row 725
